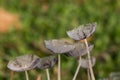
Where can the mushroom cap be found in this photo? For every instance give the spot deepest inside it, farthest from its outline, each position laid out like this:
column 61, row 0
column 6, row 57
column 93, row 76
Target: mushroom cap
column 22, row 63
column 79, row 50
column 82, row 32
column 84, row 62
column 47, row 62
column 58, row 46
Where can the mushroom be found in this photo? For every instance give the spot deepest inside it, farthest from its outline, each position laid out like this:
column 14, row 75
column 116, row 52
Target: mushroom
column 46, row 63
column 58, row 47
column 79, row 50
column 84, row 62
column 80, row 33
column 24, row 63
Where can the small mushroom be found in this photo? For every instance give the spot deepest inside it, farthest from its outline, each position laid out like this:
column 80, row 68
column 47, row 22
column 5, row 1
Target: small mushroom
column 80, row 50
column 23, row 63
column 58, row 46
column 82, row 32
column 84, row 62
column 47, row 62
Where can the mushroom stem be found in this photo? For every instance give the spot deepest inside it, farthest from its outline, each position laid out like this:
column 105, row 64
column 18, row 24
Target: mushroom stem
column 26, row 74
column 77, row 70
column 48, row 74
column 89, row 60
column 59, row 72
column 11, row 75
column 88, row 73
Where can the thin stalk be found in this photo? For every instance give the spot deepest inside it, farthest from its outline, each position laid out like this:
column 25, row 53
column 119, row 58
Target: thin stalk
column 26, row 75
column 11, row 75
column 89, row 60
column 48, row 74
column 59, row 72
column 77, row 70
column 88, row 73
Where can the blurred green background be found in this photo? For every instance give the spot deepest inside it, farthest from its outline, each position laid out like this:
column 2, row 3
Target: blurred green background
column 48, row 19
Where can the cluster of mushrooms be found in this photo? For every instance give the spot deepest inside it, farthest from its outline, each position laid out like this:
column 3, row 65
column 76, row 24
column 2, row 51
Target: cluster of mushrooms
column 78, row 50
